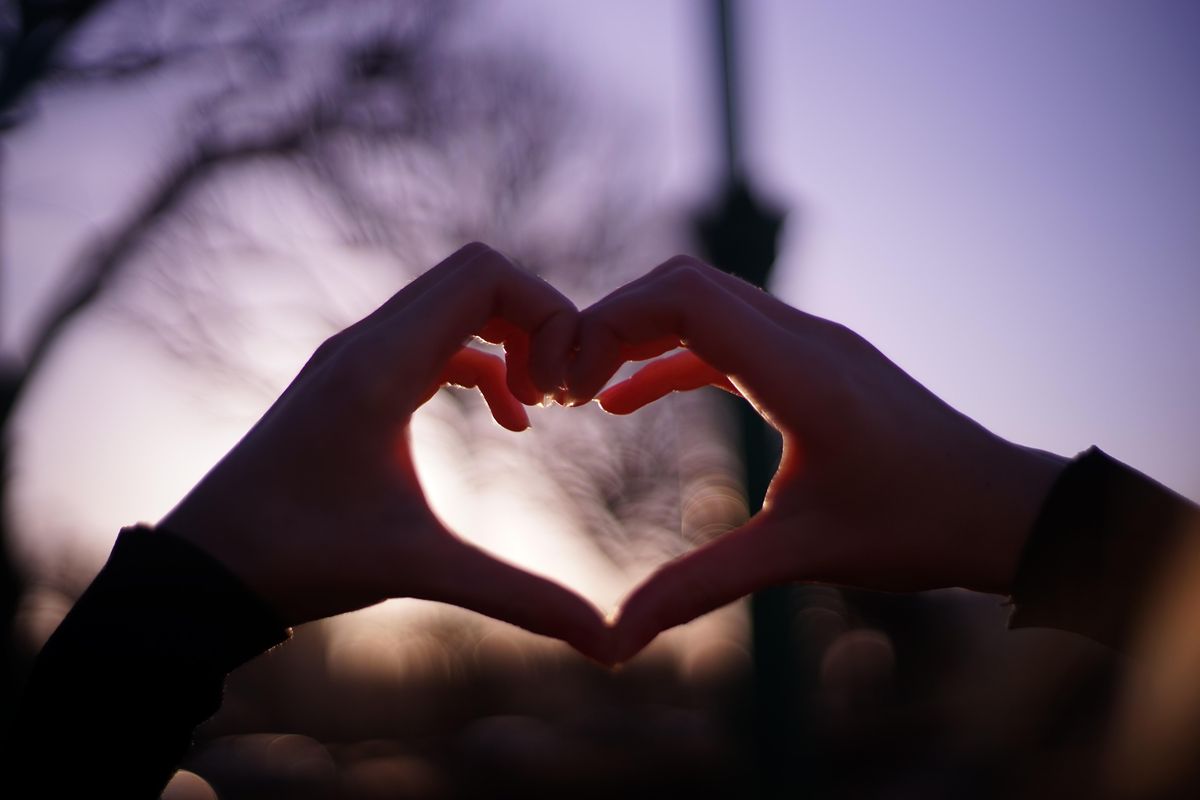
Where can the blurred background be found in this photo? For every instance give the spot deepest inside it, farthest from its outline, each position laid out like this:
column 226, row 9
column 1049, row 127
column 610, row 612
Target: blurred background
column 1002, row 197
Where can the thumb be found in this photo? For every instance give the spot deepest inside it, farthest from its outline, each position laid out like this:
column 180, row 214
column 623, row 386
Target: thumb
column 478, row 581
column 753, row 557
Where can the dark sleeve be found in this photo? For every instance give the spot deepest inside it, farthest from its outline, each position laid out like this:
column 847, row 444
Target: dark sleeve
column 1101, row 547
column 137, row 664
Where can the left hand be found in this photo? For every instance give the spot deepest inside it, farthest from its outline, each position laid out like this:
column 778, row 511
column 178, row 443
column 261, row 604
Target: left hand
column 881, row 484
column 318, row 508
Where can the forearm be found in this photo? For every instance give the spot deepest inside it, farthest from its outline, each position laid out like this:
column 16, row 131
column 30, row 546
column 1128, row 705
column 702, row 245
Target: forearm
column 138, row 663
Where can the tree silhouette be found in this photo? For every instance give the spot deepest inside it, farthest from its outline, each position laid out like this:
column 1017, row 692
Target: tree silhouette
column 405, row 143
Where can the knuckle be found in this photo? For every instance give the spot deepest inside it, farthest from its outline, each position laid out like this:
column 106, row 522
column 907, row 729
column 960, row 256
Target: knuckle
column 328, row 349
column 676, row 263
column 480, row 262
column 684, row 260
column 686, row 276
column 493, row 265
column 474, row 248
column 843, row 336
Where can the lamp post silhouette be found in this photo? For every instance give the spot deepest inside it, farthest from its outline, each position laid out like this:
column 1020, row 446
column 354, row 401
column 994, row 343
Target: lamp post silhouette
column 740, row 235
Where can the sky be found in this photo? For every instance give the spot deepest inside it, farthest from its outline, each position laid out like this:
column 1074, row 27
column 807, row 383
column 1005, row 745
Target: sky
column 1002, row 197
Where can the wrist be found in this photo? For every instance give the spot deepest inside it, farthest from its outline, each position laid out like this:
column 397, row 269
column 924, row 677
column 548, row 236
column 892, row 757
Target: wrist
column 213, row 534
column 1020, row 479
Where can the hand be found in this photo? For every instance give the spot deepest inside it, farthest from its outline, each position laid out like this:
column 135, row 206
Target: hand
column 881, row 485
column 319, row 509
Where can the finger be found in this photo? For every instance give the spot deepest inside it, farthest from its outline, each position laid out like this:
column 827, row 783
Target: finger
column 603, row 362
column 431, row 277
column 470, row 368
column 480, row 582
column 550, row 350
column 516, row 356
column 394, row 304
column 482, row 289
column 776, row 310
column 757, row 555
column 684, row 306
column 678, row 373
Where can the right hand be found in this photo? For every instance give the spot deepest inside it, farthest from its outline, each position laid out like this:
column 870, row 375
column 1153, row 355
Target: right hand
column 881, row 484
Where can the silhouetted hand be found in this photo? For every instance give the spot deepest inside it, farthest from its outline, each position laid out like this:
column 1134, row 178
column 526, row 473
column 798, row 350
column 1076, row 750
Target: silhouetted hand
column 881, row 484
column 319, row 509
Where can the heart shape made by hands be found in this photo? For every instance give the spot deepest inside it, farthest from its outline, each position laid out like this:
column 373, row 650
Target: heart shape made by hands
column 880, row 484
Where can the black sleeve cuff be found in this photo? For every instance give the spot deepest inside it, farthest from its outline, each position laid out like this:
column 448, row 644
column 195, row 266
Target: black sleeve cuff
column 1104, row 535
column 137, row 664
column 199, row 613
